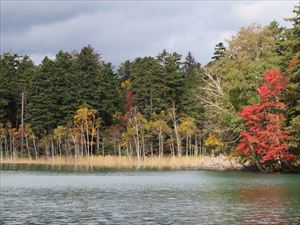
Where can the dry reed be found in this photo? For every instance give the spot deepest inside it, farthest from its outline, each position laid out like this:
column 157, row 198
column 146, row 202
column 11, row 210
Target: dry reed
column 200, row 162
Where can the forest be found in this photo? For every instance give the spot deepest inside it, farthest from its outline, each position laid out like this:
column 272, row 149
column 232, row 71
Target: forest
column 244, row 103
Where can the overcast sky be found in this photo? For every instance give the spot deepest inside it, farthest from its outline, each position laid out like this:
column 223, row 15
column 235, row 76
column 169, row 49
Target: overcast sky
column 123, row 30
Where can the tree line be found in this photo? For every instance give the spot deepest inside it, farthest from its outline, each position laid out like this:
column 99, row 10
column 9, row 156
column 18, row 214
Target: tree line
column 79, row 105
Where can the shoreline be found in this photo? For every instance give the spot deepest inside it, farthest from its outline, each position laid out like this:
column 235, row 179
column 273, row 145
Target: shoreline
column 218, row 163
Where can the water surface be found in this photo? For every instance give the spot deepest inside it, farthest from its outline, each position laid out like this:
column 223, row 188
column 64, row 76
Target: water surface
column 52, row 196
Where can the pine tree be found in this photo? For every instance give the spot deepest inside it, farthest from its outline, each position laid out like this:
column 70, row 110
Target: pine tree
column 148, row 85
column 173, row 77
column 293, row 40
column 88, row 66
column 219, row 51
column 191, row 70
column 124, row 71
column 65, row 86
column 26, row 72
column 52, row 94
column 42, row 106
column 15, row 75
column 8, row 78
column 191, row 66
column 108, row 94
column 292, row 54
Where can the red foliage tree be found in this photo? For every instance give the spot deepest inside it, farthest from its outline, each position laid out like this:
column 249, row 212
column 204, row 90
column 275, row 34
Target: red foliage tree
column 128, row 101
column 128, row 104
column 264, row 137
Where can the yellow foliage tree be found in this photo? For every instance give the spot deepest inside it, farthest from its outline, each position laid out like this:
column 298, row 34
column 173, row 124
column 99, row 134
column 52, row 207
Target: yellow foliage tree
column 85, row 121
column 126, row 85
column 160, row 128
column 187, row 128
column 60, row 136
column 214, row 143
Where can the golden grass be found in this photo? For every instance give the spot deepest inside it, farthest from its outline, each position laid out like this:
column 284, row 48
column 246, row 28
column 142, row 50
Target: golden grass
column 200, row 162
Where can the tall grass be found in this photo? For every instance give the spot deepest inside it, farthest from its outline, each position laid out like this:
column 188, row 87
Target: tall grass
column 200, row 162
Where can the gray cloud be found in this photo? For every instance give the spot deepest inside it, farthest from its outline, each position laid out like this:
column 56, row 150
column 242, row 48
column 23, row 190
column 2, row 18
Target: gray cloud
column 21, row 15
column 125, row 30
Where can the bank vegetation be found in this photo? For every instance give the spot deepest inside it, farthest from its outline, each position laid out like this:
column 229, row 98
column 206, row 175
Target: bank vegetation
column 245, row 103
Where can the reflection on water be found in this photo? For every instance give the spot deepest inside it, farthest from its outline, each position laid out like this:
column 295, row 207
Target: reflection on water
column 52, row 168
column 147, row 197
column 272, row 201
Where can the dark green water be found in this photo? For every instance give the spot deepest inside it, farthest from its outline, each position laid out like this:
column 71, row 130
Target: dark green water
column 45, row 195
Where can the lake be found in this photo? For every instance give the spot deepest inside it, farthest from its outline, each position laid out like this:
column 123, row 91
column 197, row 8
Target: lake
column 44, row 195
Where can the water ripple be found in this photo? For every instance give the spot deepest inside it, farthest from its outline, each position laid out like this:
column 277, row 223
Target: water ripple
column 149, row 197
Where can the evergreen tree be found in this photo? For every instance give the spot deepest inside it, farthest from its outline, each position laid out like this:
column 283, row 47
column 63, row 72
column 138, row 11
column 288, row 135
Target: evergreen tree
column 292, row 56
column 81, row 86
column 26, row 72
column 191, row 70
column 173, row 77
column 219, row 51
column 124, row 71
column 42, row 107
column 191, row 66
column 148, row 85
column 108, row 93
column 8, row 78
column 52, row 94
column 88, row 64
column 15, row 75
column 65, row 85
column 293, row 41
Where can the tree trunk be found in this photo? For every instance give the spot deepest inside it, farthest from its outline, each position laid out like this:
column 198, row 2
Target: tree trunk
column 190, row 138
column 22, row 122
column 114, row 141
column 13, row 149
column 74, row 143
column 196, row 145
column 59, row 146
column 87, row 136
column 151, row 148
column 187, row 145
column 103, row 146
column 159, row 145
column 1, row 149
column 11, row 145
column 98, row 141
column 35, row 150
column 162, row 145
column 92, row 135
column 119, row 148
column 52, row 148
column 143, row 143
column 288, row 165
column 173, row 148
column 137, row 148
column 259, row 166
column 137, row 144
column 174, row 121
column 6, row 146
column 27, row 146
column 46, row 150
column 130, row 148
